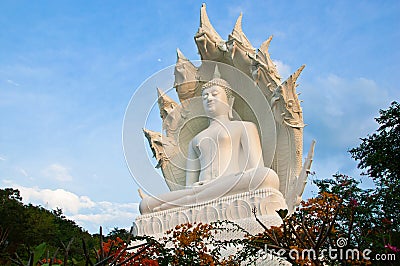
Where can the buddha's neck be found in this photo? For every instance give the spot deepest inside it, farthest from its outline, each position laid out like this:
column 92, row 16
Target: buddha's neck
column 221, row 119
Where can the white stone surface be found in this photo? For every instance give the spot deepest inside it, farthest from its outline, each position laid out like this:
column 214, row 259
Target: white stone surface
column 237, row 208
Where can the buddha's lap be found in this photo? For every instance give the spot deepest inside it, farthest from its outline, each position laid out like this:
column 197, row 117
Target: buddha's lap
column 250, row 180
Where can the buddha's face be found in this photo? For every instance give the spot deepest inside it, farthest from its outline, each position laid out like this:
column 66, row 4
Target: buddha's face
column 215, row 101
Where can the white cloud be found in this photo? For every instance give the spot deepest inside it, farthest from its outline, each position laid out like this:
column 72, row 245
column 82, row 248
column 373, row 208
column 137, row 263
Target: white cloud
column 7, row 182
column 23, row 172
column 84, row 211
column 284, row 70
column 109, row 215
column 2, row 158
column 12, row 82
column 58, row 172
column 58, row 198
column 342, row 110
column 338, row 112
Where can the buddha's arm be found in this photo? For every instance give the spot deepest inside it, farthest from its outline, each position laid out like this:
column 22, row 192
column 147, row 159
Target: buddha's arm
column 192, row 166
column 251, row 146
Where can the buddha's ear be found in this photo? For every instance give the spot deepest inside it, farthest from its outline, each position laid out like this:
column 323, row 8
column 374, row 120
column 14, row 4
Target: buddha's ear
column 230, row 102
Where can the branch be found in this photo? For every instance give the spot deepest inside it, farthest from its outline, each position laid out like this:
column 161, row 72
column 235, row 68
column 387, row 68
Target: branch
column 135, row 255
column 306, row 231
column 54, row 257
column 322, row 240
column 66, row 250
column 296, row 234
column 88, row 261
column 101, row 244
column 254, row 211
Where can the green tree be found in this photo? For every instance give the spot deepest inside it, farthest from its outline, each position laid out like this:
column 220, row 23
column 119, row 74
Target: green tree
column 359, row 220
column 11, row 212
column 379, row 153
column 119, row 232
column 379, row 158
column 24, row 227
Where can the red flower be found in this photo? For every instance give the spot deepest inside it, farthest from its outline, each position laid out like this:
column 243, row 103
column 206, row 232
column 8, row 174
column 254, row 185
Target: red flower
column 353, row 203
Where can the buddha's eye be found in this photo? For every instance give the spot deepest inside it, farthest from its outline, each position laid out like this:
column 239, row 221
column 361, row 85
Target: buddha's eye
column 215, row 93
column 205, row 96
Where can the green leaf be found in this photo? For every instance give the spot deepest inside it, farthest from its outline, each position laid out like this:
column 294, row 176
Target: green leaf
column 38, row 252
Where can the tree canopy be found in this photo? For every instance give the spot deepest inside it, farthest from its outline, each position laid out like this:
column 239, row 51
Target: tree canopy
column 25, row 227
column 379, row 158
column 379, row 153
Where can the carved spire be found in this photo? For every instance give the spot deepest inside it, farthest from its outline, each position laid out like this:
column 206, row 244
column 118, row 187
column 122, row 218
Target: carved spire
column 142, row 194
column 206, row 27
column 183, row 62
column 241, row 51
column 165, row 104
column 265, row 45
column 238, row 34
column 210, row 45
column 155, row 142
column 265, row 61
column 293, row 116
column 179, row 56
column 290, row 83
column 185, row 77
column 297, row 73
column 298, row 184
column 217, row 74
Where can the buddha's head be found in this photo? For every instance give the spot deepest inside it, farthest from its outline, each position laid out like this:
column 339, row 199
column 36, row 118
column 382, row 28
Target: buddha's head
column 217, row 97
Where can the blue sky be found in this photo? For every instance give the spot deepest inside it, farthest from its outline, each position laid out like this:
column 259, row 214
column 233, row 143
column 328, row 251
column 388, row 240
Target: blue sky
column 69, row 68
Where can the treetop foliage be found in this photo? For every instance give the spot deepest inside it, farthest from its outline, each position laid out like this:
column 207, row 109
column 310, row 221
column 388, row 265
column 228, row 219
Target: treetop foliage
column 379, row 153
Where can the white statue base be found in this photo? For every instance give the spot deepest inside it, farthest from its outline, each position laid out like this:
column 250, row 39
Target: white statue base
column 237, row 208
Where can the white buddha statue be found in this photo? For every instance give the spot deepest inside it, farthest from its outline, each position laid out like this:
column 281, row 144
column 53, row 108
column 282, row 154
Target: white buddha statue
column 224, row 159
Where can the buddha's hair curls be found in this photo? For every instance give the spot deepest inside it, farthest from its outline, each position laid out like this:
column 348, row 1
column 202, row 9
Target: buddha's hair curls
column 221, row 83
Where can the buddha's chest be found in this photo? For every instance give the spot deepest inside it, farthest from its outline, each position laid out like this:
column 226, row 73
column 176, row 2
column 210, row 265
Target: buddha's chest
column 217, row 140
